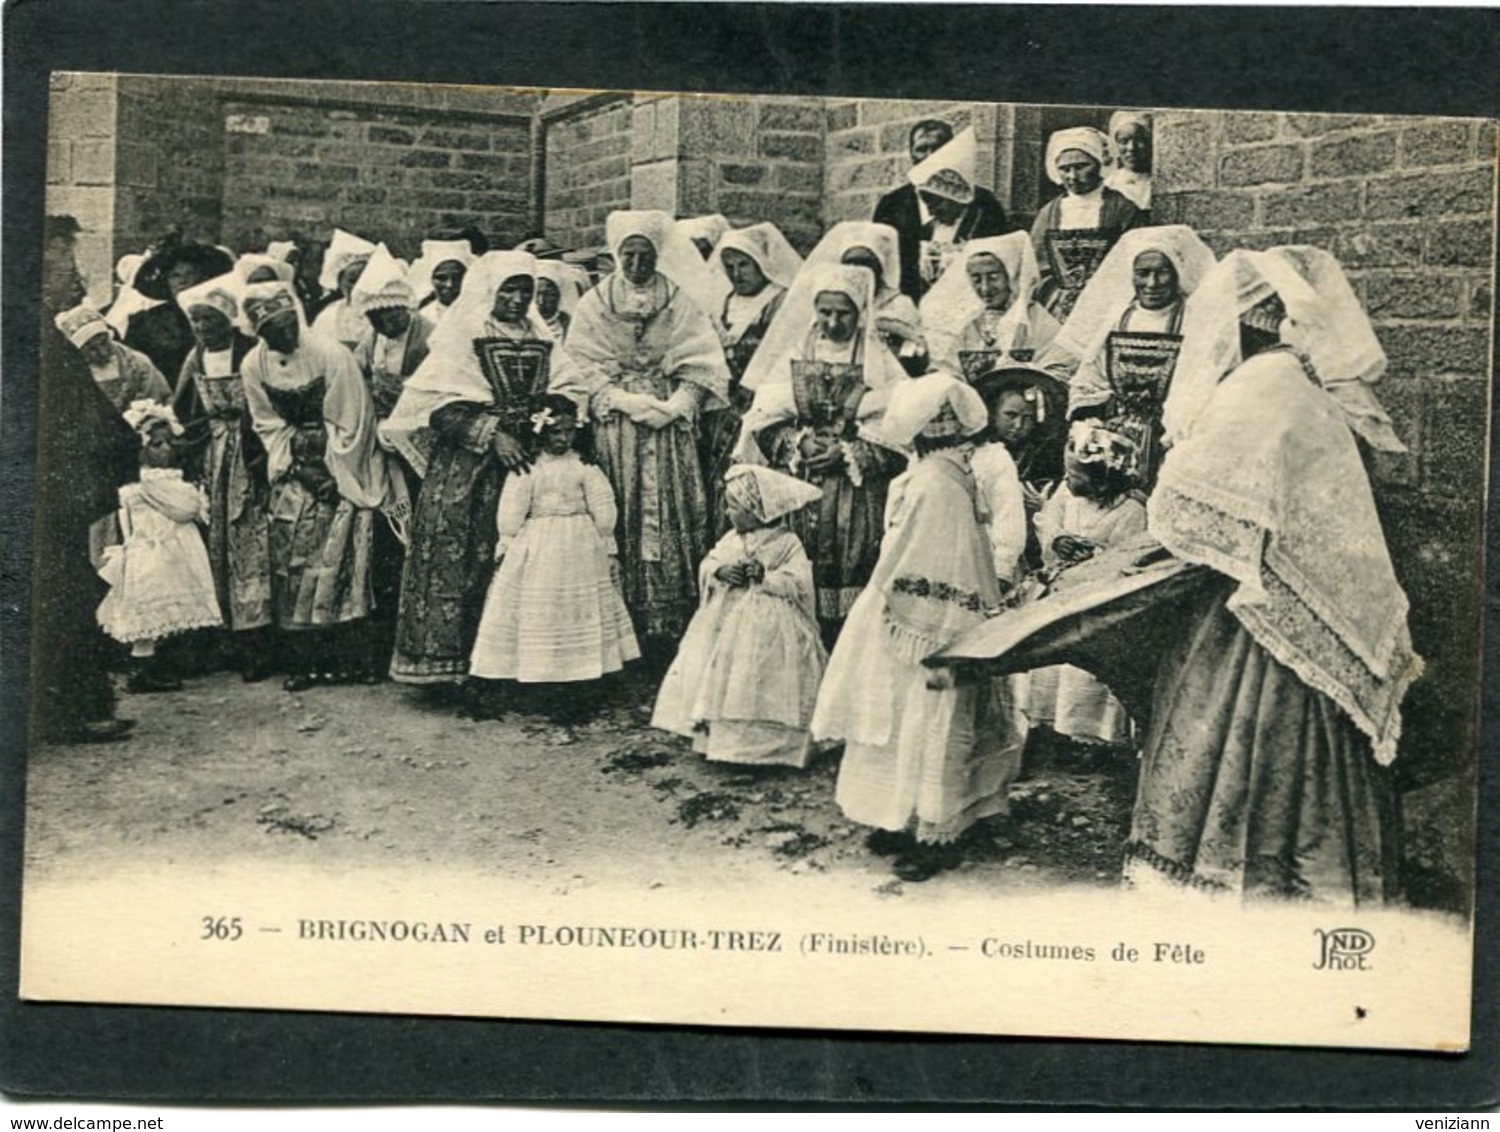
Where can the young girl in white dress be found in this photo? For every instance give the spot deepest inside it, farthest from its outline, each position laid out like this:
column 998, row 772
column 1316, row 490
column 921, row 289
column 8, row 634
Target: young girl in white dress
column 1091, row 510
column 554, row 614
column 160, row 581
column 746, row 676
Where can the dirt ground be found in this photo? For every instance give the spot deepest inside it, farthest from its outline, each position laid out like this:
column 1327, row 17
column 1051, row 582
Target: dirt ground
column 371, row 776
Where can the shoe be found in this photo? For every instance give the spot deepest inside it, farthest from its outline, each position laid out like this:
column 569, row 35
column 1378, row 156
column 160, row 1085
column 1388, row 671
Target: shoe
column 926, row 861
column 302, row 681
column 145, row 683
column 886, row 842
column 97, row 731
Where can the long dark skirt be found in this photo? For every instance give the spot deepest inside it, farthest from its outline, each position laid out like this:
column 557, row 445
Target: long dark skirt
column 1251, row 782
column 449, row 560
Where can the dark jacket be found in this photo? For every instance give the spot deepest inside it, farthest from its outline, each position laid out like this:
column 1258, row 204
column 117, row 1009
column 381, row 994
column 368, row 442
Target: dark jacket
column 899, row 208
column 1117, row 214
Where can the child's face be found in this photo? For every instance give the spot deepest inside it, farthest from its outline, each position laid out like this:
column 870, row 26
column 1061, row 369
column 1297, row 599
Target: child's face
column 158, row 452
column 557, row 437
column 1012, row 419
column 1079, row 477
column 741, row 518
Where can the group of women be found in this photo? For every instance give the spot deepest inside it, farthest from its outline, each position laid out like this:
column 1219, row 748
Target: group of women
column 1097, row 381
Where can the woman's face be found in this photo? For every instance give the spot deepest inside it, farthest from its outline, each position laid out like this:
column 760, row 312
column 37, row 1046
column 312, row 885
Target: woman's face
column 838, row 317
column 863, row 257
column 988, row 277
column 548, row 298
column 280, row 332
column 1079, row 173
column 638, row 260
column 1012, row 419
column 350, row 276
column 744, row 273
column 98, row 350
column 390, row 322
column 211, row 327
column 513, row 298
column 740, row 517
column 1133, row 142
column 1079, row 477
column 448, row 280
column 181, row 276
column 1155, row 281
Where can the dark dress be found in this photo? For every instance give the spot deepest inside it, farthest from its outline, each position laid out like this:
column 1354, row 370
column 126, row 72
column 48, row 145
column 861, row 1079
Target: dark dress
column 163, row 334
column 88, row 452
column 842, row 531
column 1088, row 247
column 229, row 460
column 451, row 541
column 720, row 428
column 899, row 208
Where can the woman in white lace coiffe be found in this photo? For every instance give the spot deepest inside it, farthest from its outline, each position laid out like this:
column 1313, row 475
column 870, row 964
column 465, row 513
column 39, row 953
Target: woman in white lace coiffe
column 1277, row 714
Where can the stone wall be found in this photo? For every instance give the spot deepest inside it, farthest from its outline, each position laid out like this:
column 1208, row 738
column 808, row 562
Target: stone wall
column 1408, row 208
column 588, row 168
column 81, row 170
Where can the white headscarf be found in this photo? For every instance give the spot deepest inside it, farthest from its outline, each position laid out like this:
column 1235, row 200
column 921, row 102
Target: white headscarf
column 1112, row 289
column 935, row 404
column 129, row 301
column 878, row 238
column 221, row 294
column 795, row 326
column 1324, row 321
column 710, row 228
column 81, row 324
column 251, row 262
column 766, row 493
column 676, row 257
column 778, row 262
column 949, row 170
column 262, row 301
column 571, row 281
column 1085, row 139
column 435, row 253
column 344, row 250
column 383, row 284
column 952, row 304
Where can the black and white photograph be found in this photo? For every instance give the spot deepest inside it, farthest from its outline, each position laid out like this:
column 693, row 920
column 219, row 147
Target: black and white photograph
column 842, row 563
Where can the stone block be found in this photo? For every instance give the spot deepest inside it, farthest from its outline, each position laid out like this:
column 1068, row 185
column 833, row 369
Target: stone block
column 465, row 180
column 1461, row 243
column 1205, row 210
column 1240, row 128
column 1437, row 143
column 1427, row 296
column 136, row 165
column 1355, row 155
column 1457, row 422
column 1311, row 205
column 1406, row 403
column 800, row 178
column 81, row 113
column 93, row 162
column 442, row 137
column 392, row 135
column 743, row 174
column 1261, row 165
column 425, row 159
column 713, row 127
column 798, row 147
column 849, row 142
column 1430, row 194
column 696, row 188
column 59, row 163
column 841, row 116
column 1481, row 304
column 654, row 186
column 366, row 194
column 1428, row 351
column 1184, row 155
column 804, row 117
column 335, row 152
column 1316, row 125
column 1378, row 245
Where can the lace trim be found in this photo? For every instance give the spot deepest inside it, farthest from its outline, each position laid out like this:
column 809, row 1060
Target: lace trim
column 1174, row 871
column 1286, row 624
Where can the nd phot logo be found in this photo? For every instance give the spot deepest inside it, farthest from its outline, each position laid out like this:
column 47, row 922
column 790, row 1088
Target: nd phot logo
column 1344, row 949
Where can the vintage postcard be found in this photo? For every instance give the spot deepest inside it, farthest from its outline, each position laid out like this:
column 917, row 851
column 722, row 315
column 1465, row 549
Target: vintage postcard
column 761, row 561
